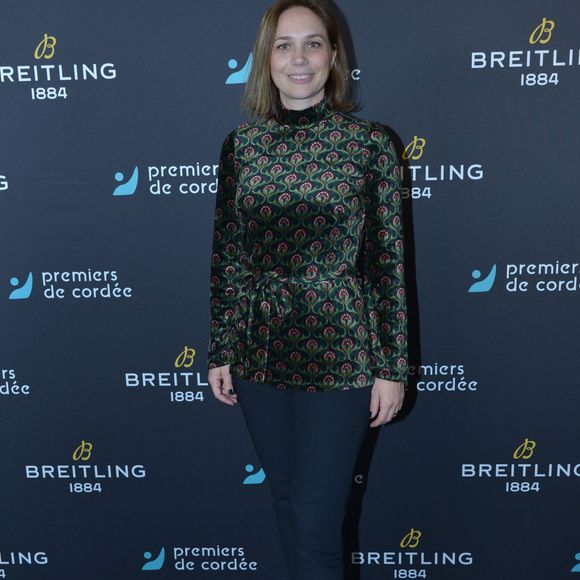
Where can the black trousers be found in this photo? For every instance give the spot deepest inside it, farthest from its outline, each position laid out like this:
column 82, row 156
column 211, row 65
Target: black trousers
column 307, row 443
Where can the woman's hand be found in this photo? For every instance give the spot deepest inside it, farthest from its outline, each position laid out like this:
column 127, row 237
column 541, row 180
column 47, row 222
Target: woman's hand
column 386, row 400
column 220, row 380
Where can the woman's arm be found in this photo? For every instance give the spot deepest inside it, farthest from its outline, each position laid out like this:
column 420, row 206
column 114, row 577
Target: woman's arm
column 225, row 274
column 383, row 260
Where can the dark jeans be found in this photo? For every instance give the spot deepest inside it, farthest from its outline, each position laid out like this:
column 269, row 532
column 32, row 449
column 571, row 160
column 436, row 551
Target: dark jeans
column 307, row 444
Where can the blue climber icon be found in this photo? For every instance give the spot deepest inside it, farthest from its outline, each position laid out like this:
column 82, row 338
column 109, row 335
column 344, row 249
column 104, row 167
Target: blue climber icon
column 154, row 564
column 21, row 292
column 576, row 568
column 254, row 478
column 239, row 77
column 485, row 284
column 128, row 187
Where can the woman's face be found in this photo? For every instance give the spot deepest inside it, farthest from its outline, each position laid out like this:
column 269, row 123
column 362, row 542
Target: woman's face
column 301, row 58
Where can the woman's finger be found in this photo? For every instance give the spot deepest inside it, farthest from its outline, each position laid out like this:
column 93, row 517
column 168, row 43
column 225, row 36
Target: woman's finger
column 222, row 388
column 384, row 409
column 374, row 407
column 224, row 397
column 229, row 390
column 391, row 414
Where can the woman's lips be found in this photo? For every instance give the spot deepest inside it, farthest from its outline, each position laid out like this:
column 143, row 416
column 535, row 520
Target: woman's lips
column 301, row 78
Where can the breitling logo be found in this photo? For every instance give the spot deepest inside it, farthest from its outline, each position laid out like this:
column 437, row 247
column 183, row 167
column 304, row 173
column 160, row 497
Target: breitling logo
column 414, row 150
column 45, row 48
column 522, row 475
column 46, row 80
column 411, row 561
column 525, row 450
column 185, row 358
column 83, row 451
column 424, row 175
column 543, row 32
column 411, row 540
column 540, row 58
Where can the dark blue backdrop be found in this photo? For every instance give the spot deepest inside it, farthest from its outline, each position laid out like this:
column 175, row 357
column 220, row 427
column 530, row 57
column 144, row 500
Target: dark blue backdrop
column 116, row 461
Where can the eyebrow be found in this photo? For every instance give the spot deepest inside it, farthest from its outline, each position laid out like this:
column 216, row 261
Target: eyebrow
column 289, row 37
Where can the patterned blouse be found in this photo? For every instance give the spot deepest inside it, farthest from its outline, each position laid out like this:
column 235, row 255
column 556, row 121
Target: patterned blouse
column 307, row 275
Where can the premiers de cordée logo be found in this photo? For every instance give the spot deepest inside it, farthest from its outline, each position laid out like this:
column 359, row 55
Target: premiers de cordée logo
column 86, row 284
column 546, row 277
column 10, row 386
column 439, row 377
column 218, row 559
column 164, row 180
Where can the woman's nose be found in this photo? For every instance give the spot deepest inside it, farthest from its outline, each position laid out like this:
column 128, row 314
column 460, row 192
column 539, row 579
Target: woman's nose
column 299, row 56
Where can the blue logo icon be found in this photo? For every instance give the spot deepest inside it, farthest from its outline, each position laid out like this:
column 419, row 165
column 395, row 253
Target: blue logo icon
column 22, row 292
column 254, row 478
column 128, row 187
column 576, row 568
column 155, row 564
column 239, row 77
column 485, row 284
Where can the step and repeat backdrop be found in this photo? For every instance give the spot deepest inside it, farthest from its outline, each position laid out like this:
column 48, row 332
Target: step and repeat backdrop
column 116, row 462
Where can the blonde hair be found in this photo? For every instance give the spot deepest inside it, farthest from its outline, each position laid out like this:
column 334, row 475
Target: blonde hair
column 261, row 97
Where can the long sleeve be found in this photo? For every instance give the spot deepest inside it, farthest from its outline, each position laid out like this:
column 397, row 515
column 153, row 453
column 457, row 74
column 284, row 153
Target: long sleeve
column 383, row 261
column 226, row 264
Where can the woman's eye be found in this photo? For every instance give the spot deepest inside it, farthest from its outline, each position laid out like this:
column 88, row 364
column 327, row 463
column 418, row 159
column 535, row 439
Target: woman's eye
column 313, row 44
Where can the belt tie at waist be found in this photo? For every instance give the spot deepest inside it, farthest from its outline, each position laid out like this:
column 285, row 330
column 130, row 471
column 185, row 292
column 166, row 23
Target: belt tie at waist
column 267, row 296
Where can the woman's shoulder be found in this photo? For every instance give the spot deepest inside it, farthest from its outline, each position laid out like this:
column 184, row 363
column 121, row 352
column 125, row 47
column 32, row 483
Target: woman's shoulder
column 351, row 118
column 370, row 131
column 246, row 128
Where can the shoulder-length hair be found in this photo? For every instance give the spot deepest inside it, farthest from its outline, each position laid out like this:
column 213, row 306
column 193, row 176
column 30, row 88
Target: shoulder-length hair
column 261, row 96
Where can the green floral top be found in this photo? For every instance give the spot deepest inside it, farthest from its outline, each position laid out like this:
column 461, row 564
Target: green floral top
column 307, row 275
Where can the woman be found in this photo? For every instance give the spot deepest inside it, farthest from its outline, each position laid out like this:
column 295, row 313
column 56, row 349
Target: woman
column 308, row 306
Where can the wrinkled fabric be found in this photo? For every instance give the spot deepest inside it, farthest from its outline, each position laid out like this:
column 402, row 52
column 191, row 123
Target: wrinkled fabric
column 307, row 283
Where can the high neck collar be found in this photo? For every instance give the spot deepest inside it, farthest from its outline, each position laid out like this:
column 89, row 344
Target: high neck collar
column 302, row 117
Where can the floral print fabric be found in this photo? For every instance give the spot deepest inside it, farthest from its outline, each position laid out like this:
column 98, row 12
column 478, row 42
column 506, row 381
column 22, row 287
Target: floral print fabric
column 307, row 275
